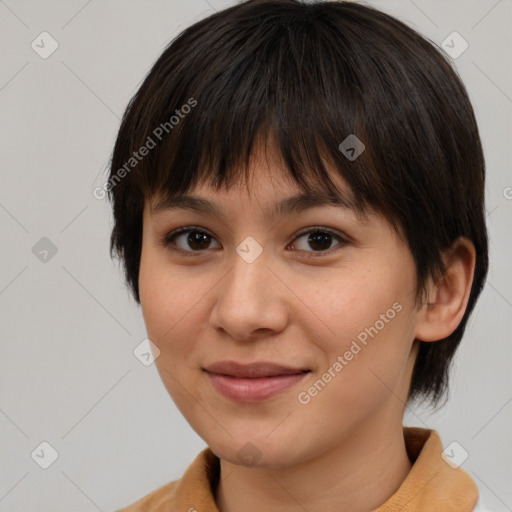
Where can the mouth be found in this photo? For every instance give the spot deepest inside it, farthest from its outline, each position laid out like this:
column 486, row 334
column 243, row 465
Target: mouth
column 255, row 382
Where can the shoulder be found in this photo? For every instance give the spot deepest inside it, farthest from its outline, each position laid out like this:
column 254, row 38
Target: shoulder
column 156, row 501
column 195, row 484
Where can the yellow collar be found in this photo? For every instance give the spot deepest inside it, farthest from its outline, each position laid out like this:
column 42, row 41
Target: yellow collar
column 432, row 484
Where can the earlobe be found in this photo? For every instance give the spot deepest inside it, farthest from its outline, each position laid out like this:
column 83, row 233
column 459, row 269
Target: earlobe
column 448, row 296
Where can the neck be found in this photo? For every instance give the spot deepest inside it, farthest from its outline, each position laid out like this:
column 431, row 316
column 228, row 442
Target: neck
column 358, row 475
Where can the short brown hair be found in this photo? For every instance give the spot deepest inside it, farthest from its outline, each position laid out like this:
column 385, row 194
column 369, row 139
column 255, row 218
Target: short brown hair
column 308, row 75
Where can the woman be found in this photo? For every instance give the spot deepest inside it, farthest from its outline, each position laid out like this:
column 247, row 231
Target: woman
column 295, row 308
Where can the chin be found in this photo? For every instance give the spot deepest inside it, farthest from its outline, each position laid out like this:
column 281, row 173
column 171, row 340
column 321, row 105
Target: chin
column 255, row 452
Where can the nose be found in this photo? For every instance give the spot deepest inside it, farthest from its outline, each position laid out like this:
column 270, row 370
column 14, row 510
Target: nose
column 250, row 300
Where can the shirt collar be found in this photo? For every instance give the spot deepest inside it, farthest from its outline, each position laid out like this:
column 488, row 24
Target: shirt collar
column 432, row 483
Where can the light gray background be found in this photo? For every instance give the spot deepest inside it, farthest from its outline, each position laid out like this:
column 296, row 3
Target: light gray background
column 68, row 327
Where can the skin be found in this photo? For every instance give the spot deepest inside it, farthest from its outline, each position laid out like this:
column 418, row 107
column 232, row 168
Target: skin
column 343, row 450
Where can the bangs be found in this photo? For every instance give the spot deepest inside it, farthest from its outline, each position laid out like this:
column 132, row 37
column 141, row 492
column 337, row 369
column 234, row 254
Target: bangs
column 269, row 88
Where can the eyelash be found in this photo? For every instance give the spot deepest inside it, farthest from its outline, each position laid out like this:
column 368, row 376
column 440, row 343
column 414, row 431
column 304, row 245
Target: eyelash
column 169, row 238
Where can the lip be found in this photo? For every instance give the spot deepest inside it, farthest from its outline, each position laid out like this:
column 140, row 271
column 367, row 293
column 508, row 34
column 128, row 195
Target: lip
column 252, row 370
column 254, row 382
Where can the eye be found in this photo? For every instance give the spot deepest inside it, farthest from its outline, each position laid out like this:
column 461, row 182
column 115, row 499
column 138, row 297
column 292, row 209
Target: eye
column 191, row 240
column 319, row 239
column 188, row 237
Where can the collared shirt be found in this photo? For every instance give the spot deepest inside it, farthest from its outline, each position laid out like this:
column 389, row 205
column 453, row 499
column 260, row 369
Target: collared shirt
column 434, row 483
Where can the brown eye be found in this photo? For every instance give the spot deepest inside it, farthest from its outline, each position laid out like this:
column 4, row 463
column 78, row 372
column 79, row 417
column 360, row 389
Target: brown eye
column 189, row 239
column 317, row 240
column 320, row 241
column 197, row 240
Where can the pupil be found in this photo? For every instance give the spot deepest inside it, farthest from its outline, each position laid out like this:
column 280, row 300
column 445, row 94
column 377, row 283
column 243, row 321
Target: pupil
column 196, row 240
column 320, row 238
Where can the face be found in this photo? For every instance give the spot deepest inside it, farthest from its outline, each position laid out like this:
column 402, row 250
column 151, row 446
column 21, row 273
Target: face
column 326, row 297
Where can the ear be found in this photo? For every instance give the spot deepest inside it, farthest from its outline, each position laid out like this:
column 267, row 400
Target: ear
column 448, row 296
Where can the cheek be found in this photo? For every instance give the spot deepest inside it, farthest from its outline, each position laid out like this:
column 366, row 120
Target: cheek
column 346, row 303
column 163, row 295
column 167, row 302
column 367, row 318
column 163, row 301
column 173, row 307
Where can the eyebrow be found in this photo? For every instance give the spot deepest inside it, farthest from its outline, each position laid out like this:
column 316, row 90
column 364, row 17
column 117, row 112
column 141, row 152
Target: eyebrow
column 286, row 207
